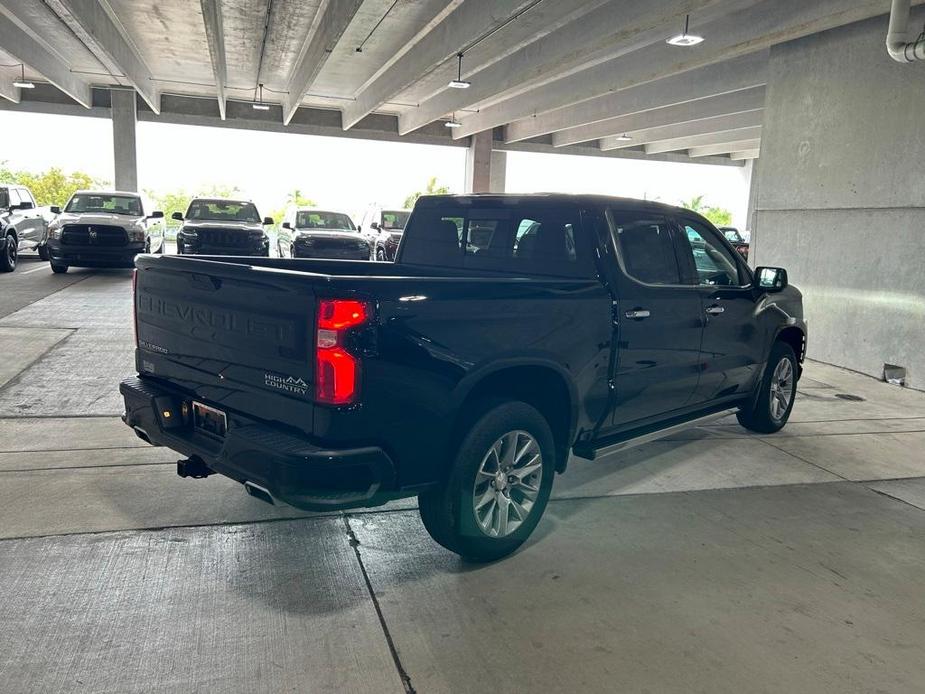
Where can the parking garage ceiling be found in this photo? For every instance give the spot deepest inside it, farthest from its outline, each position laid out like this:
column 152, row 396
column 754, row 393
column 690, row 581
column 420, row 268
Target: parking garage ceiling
column 588, row 74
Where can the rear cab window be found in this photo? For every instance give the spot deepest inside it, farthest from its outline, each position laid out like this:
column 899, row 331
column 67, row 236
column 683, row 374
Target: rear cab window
column 531, row 239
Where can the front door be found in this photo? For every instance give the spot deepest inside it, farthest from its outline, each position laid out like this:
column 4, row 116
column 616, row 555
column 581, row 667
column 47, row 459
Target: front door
column 731, row 349
column 659, row 321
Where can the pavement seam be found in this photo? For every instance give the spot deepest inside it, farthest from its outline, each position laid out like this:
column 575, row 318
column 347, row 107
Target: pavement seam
column 402, row 673
column 61, row 289
column 86, row 467
column 77, row 450
column 894, row 498
column 808, row 462
column 38, row 360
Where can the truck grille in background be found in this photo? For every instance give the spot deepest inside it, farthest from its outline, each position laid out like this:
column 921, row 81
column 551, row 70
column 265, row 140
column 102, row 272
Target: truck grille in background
column 224, row 238
column 329, row 244
column 93, row 235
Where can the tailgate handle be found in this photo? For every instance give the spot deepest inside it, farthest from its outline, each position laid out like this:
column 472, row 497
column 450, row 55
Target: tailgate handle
column 206, row 282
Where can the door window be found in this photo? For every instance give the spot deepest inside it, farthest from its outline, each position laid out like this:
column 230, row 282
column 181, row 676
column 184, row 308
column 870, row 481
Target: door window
column 14, row 196
column 26, row 196
column 714, row 263
column 645, row 247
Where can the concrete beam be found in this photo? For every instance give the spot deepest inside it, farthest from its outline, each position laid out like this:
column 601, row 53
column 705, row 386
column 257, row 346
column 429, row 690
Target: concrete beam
column 577, row 123
column 94, row 22
column 732, row 35
column 726, row 148
column 718, row 138
column 18, row 41
column 125, row 153
column 465, row 23
column 7, row 90
column 748, row 154
column 745, row 104
column 215, row 35
column 748, row 119
column 748, row 100
column 597, row 34
column 336, row 15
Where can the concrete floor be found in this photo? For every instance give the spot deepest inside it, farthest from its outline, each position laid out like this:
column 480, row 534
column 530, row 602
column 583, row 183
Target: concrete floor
column 714, row 561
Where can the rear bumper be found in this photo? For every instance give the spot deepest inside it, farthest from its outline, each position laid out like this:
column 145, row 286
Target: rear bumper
column 94, row 256
column 291, row 468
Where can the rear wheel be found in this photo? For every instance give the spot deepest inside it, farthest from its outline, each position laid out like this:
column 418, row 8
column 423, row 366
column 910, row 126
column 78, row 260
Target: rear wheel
column 58, row 269
column 380, row 254
column 9, row 255
column 43, row 252
column 776, row 394
column 498, row 486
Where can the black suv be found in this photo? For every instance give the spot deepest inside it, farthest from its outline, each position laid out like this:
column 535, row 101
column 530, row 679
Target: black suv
column 218, row 226
column 510, row 333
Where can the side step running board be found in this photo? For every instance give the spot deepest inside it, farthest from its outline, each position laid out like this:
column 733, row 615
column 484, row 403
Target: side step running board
column 590, row 452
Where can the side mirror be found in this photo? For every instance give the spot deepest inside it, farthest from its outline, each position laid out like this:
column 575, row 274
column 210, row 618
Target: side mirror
column 374, row 225
column 287, row 225
column 178, row 216
column 54, row 209
column 157, row 214
column 268, row 221
column 771, row 279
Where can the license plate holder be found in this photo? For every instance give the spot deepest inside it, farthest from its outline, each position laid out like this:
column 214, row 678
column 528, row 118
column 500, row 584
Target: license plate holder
column 208, row 420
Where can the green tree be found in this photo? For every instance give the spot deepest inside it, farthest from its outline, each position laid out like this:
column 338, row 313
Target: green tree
column 170, row 202
column 51, row 187
column 432, row 189
column 294, row 199
column 720, row 216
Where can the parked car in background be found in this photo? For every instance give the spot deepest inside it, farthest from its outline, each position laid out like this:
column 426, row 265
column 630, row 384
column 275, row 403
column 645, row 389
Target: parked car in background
column 511, row 332
column 308, row 232
column 388, row 226
column 22, row 225
column 103, row 229
column 221, row 226
column 736, row 239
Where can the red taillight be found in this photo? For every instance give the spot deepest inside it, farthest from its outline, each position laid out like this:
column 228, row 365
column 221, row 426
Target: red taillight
column 337, row 372
column 135, row 303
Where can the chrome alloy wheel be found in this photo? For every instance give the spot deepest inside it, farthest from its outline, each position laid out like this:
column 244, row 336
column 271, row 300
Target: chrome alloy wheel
column 507, row 484
column 782, row 387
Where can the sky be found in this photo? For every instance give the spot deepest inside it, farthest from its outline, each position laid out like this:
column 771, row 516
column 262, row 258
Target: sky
column 341, row 173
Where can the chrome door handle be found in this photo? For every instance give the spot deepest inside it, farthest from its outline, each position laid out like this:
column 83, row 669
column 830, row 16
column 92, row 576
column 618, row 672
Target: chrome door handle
column 638, row 313
column 714, row 310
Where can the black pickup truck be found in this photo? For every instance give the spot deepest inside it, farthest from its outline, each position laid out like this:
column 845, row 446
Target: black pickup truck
column 510, row 332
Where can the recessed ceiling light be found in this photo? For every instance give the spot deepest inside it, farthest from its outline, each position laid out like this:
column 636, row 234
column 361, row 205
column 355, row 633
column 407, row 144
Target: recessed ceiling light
column 624, row 137
column 23, row 83
column 459, row 82
column 685, row 38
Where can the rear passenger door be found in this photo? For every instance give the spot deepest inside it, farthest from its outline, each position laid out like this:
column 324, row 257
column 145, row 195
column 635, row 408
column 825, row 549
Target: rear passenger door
column 732, row 346
column 658, row 317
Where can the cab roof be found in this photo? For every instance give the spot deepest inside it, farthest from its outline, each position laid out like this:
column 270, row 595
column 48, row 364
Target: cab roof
column 589, row 199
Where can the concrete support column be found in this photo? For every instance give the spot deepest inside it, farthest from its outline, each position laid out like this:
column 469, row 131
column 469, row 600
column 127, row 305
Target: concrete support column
column 485, row 169
column 124, row 115
column 498, row 177
column 751, row 219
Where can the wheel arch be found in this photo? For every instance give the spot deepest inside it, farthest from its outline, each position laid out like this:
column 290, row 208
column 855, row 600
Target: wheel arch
column 542, row 384
column 795, row 337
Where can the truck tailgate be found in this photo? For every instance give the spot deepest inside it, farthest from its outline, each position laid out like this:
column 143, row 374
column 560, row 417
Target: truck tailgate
column 231, row 335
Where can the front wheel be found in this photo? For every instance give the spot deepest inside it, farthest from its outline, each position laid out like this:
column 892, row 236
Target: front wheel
column 776, row 395
column 43, row 252
column 9, row 255
column 380, row 255
column 498, row 486
column 58, row 269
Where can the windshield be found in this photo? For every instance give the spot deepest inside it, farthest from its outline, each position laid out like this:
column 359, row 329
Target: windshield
column 223, row 211
column 394, row 219
column 104, row 203
column 732, row 235
column 323, row 220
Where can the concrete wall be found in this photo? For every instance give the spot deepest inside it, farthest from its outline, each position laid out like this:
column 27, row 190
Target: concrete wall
column 841, row 194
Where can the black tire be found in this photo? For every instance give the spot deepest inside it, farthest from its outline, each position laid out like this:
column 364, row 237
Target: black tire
column 380, row 255
column 58, row 269
column 9, row 255
column 448, row 509
column 761, row 416
column 43, row 252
